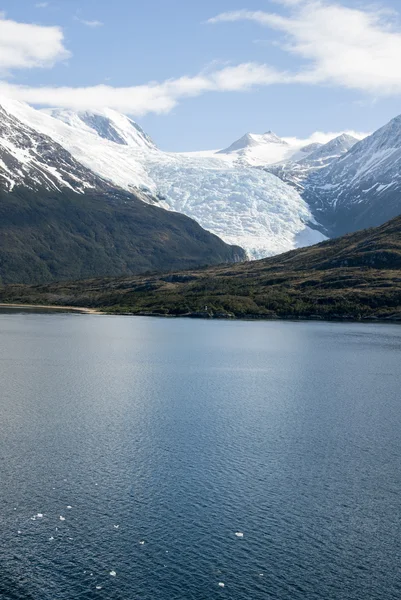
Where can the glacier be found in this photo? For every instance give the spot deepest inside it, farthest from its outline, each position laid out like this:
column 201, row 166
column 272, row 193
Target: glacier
column 241, row 204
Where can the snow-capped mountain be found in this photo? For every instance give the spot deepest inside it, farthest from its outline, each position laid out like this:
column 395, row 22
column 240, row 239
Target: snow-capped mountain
column 318, row 156
column 34, row 160
column 362, row 188
column 242, row 205
column 108, row 124
column 259, row 150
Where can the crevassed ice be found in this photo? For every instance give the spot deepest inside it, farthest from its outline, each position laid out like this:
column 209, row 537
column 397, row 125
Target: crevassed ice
column 242, row 205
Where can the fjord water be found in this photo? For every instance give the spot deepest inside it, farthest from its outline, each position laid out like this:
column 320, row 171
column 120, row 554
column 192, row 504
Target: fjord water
column 179, row 434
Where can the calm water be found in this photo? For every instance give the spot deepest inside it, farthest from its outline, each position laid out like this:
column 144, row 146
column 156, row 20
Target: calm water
column 181, row 433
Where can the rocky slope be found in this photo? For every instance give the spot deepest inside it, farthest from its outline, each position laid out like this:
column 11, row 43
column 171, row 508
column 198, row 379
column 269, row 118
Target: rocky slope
column 362, row 188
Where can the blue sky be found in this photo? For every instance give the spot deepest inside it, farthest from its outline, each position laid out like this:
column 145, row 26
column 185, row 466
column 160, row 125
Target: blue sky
column 293, row 66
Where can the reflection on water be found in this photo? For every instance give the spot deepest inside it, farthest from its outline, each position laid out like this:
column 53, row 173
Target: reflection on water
column 133, row 450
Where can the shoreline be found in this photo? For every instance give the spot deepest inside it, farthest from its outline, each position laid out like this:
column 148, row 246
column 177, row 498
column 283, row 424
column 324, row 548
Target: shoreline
column 79, row 309
column 208, row 317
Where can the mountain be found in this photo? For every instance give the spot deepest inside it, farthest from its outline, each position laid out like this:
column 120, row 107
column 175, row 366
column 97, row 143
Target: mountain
column 357, row 276
column 255, row 150
column 320, row 156
column 107, row 123
column 362, row 188
column 31, row 159
column 59, row 220
column 242, row 205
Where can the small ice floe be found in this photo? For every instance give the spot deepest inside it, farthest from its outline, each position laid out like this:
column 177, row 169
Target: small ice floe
column 56, row 528
column 51, row 539
column 62, row 518
column 221, row 584
column 98, row 587
column 39, row 516
column 116, row 526
column 239, row 534
column 19, row 532
column 261, row 575
column 15, row 508
column 113, row 574
column 142, row 542
column 69, row 507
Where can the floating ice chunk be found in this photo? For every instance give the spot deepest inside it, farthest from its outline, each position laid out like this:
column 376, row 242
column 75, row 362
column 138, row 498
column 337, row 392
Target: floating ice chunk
column 239, row 534
column 98, row 587
column 142, row 542
column 116, row 526
column 51, row 539
column 15, row 508
column 113, row 573
column 19, row 532
column 39, row 516
column 69, row 507
column 62, row 518
column 260, row 574
column 221, row 584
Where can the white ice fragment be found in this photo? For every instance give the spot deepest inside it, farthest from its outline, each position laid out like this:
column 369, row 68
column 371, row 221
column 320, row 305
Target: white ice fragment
column 116, row 526
column 69, row 507
column 142, row 542
column 62, row 518
column 221, row 584
column 39, row 516
column 98, row 587
column 19, row 532
column 113, row 573
column 51, row 539
column 239, row 534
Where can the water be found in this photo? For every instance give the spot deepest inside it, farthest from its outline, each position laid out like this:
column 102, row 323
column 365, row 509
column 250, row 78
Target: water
column 181, row 434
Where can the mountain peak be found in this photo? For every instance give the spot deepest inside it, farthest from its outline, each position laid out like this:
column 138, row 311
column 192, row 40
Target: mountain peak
column 251, row 140
column 107, row 124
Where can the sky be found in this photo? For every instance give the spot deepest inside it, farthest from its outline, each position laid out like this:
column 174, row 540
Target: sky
column 198, row 75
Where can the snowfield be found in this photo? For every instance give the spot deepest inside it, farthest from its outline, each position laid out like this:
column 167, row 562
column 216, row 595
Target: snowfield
column 242, row 205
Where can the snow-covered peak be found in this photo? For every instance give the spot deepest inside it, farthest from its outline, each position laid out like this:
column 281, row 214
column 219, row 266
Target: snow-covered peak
column 29, row 158
column 330, row 151
column 251, row 140
column 107, row 123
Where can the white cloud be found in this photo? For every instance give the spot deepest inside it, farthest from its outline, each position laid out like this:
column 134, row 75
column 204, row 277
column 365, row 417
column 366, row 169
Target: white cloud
column 152, row 97
column 24, row 45
column 359, row 49
column 354, row 48
column 41, row 4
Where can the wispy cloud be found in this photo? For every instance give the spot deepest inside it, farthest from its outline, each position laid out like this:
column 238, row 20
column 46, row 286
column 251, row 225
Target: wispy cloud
column 94, row 24
column 353, row 48
column 334, row 45
column 156, row 97
column 42, row 4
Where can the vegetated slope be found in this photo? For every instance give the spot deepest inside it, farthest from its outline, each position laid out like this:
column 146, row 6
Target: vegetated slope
column 240, row 204
column 363, row 187
column 356, row 276
column 48, row 235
